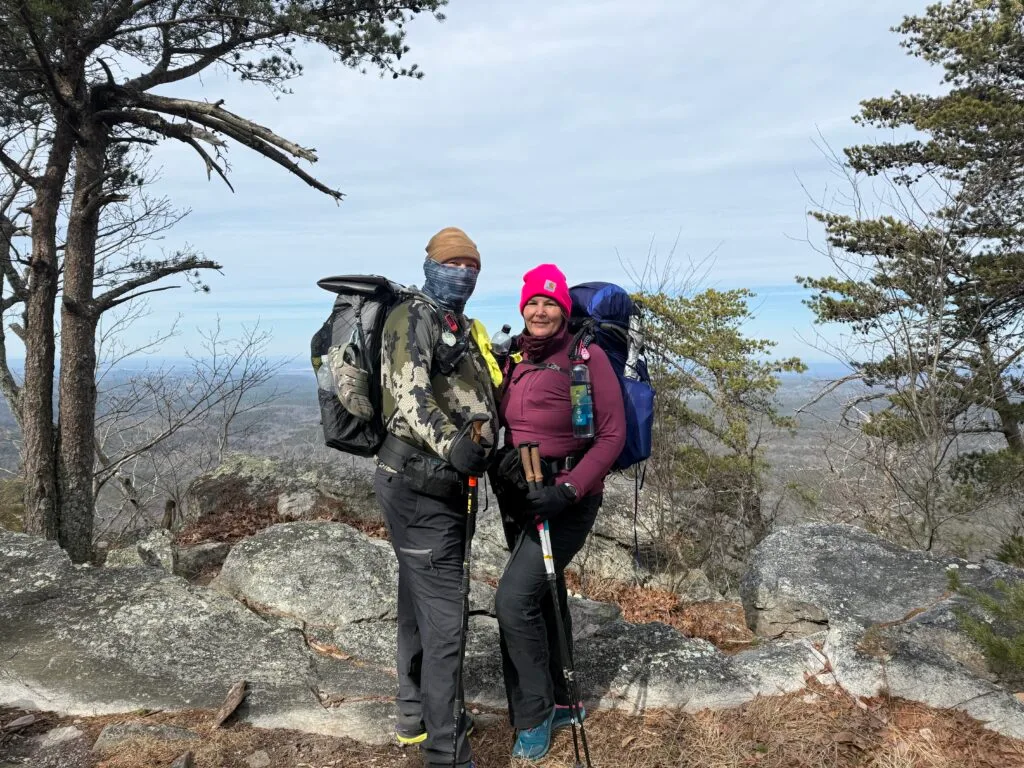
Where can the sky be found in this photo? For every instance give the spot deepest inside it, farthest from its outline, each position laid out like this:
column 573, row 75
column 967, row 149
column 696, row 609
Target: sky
column 588, row 133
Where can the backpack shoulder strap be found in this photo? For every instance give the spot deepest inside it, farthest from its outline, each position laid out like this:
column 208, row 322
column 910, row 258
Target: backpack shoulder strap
column 585, row 336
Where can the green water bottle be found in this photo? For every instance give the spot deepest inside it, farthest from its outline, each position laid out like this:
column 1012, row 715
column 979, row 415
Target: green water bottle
column 582, row 396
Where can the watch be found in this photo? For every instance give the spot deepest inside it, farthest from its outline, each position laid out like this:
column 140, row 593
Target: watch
column 572, row 488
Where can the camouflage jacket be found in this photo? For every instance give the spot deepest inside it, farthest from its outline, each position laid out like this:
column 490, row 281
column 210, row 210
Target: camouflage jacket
column 422, row 406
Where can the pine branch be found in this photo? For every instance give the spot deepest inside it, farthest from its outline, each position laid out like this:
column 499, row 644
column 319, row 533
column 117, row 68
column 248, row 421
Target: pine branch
column 214, row 116
column 247, row 132
column 16, row 169
column 140, row 294
column 110, row 23
column 157, row 124
column 37, row 45
column 185, row 132
column 114, row 296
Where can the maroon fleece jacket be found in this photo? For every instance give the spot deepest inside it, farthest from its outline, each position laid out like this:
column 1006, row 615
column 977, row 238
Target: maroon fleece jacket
column 536, row 408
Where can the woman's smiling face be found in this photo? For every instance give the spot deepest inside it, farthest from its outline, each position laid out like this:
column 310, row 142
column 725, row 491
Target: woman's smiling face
column 542, row 316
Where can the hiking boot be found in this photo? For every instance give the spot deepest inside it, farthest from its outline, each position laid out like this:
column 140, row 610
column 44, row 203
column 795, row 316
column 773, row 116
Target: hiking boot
column 408, row 737
column 563, row 716
column 534, row 743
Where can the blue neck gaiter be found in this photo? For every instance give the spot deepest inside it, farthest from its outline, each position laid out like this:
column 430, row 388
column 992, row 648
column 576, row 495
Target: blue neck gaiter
column 450, row 287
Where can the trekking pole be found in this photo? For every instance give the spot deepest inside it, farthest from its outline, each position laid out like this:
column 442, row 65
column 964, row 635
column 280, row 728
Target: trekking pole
column 471, row 504
column 567, row 666
column 543, row 529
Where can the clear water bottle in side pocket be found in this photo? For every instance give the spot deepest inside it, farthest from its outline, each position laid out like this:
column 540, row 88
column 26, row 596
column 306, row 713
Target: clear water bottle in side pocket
column 581, row 394
column 324, row 380
column 501, row 342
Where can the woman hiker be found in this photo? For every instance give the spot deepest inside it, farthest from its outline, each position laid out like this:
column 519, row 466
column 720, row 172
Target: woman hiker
column 536, row 408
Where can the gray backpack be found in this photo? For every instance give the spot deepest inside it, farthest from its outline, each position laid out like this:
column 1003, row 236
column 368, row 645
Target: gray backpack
column 345, row 353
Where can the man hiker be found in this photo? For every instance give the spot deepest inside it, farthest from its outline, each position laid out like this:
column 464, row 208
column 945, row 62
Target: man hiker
column 435, row 384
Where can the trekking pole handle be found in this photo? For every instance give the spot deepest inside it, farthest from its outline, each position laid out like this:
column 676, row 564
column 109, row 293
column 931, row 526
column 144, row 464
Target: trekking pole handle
column 475, row 430
column 545, row 546
column 538, row 469
column 524, row 459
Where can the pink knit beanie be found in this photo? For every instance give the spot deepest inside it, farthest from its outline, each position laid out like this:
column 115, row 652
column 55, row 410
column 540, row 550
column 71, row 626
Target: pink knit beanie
column 546, row 280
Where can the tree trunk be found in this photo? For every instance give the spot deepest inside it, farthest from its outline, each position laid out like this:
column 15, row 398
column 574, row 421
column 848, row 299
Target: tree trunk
column 39, row 452
column 78, row 349
column 8, row 385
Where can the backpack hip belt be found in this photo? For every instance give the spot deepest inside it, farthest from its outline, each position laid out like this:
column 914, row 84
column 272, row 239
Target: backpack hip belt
column 552, row 466
column 424, row 472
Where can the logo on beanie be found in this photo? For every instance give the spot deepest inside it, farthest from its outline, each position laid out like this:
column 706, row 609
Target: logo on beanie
column 549, row 286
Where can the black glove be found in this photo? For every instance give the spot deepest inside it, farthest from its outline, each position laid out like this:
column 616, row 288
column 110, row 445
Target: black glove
column 467, row 457
column 549, row 501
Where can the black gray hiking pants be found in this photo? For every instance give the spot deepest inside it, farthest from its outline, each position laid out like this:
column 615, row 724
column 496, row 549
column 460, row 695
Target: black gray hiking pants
column 530, row 652
column 428, row 535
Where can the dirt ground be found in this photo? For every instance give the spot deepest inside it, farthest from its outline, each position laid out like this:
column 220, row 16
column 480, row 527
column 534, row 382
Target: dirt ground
column 816, row 728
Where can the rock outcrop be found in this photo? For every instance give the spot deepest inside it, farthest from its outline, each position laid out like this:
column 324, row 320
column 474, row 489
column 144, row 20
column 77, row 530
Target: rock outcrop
column 85, row 640
column 292, row 490
column 305, row 612
column 885, row 616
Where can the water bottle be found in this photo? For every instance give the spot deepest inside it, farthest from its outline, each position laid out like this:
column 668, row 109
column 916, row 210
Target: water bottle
column 501, row 342
column 324, row 380
column 582, row 396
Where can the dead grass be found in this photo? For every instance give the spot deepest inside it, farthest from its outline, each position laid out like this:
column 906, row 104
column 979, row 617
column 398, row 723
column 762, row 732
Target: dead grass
column 243, row 516
column 721, row 624
column 12, row 508
column 819, row 728
column 238, row 516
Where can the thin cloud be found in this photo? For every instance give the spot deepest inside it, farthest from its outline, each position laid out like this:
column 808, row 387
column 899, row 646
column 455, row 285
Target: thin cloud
column 572, row 132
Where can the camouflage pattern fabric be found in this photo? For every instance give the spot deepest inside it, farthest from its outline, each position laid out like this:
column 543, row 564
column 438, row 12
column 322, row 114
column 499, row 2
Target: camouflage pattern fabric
column 423, row 407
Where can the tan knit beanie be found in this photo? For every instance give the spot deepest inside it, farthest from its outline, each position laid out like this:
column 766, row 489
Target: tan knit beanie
column 452, row 243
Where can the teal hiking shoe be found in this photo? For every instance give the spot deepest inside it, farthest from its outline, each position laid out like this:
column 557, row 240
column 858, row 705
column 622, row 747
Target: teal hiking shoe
column 534, row 743
column 563, row 716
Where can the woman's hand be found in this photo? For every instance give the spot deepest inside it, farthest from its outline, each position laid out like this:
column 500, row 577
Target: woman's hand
column 549, row 501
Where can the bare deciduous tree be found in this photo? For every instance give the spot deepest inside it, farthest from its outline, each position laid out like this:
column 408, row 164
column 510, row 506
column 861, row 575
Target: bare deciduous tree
column 58, row 82
column 157, row 429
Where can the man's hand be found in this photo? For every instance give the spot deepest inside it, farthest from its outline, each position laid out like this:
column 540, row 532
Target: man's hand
column 467, row 457
column 549, row 501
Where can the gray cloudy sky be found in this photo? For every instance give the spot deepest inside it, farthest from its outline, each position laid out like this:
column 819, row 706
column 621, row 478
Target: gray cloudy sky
column 573, row 131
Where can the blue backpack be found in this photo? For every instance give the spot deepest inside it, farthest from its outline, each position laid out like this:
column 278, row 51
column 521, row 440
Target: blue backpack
column 604, row 313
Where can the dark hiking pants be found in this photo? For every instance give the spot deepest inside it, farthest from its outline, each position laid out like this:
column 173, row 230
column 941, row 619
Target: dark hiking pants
column 428, row 535
column 530, row 651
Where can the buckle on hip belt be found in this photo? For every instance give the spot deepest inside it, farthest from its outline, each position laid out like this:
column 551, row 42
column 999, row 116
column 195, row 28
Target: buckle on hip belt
column 424, row 472
column 394, row 452
column 553, row 466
